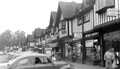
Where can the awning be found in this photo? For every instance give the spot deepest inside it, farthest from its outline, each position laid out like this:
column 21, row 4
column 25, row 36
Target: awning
column 50, row 45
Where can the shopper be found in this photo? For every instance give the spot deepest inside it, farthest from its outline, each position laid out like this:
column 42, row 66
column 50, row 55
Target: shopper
column 109, row 58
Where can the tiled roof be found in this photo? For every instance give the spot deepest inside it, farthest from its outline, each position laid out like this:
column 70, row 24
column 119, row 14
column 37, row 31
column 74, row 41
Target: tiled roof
column 38, row 32
column 43, row 32
column 54, row 15
column 78, row 6
column 68, row 9
column 87, row 3
column 30, row 38
column 52, row 18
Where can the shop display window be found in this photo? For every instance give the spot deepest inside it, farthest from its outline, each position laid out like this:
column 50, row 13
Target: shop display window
column 93, row 52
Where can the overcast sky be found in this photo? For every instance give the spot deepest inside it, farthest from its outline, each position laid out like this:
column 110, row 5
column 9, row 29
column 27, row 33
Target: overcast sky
column 26, row 15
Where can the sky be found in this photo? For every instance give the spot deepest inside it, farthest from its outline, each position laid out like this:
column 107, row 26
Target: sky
column 26, row 15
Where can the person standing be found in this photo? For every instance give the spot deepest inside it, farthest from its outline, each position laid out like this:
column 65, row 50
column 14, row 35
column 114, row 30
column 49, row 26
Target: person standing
column 109, row 58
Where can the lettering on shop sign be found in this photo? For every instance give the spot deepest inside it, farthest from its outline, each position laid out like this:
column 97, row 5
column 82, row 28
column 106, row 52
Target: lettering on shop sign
column 92, row 34
column 112, row 12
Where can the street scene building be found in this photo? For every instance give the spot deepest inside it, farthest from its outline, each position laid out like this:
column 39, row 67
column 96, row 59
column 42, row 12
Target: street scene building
column 76, row 29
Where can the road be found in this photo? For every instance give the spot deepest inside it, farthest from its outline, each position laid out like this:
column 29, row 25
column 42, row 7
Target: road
column 85, row 66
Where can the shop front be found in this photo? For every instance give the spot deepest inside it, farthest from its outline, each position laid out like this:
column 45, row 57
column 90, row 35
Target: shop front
column 49, row 49
column 109, row 36
column 93, row 48
column 111, row 40
column 77, row 42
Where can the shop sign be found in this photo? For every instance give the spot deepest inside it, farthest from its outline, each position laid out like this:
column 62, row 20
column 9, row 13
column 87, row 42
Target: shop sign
column 77, row 35
column 32, row 44
column 112, row 12
column 92, row 34
column 48, row 49
column 89, row 43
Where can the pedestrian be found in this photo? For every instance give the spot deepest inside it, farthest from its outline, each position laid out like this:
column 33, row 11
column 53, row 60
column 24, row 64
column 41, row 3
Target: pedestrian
column 109, row 58
column 93, row 53
column 74, row 56
column 115, row 61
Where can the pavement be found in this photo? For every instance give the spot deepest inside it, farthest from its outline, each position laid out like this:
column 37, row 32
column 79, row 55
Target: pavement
column 85, row 66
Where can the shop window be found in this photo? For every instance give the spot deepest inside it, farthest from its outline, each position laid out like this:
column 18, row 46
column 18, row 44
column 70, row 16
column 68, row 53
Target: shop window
column 115, row 45
column 93, row 52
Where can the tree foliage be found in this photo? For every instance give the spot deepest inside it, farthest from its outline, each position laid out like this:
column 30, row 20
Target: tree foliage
column 5, row 39
column 8, row 38
column 21, row 37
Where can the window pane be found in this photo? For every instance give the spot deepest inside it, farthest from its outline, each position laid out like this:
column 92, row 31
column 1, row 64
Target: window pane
column 26, row 61
column 79, row 20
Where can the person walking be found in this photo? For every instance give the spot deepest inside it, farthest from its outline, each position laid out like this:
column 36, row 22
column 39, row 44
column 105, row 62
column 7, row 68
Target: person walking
column 109, row 58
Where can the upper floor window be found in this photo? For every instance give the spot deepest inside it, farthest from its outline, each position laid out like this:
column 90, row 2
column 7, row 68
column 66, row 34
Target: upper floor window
column 63, row 25
column 87, row 17
column 43, row 37
column 79, row 20
column 54, row 29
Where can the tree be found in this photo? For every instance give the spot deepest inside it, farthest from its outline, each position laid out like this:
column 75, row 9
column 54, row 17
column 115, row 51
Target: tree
column 5, row 39
column 21, row 37
column 13, row 40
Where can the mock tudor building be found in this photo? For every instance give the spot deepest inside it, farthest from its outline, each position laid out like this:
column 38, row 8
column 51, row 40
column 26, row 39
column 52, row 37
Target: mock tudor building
column 64, row 22
column 107, row 24
column 54, row 33
column 37, row 35
column 94, row 23
column 30, row 41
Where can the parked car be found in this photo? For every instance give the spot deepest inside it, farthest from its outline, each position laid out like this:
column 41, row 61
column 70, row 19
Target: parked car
column 34, row 61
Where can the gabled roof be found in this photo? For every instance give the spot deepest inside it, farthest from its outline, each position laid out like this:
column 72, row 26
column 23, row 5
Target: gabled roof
column 30, row 38
column 68, row 9
column 52, row 19
column 78, row 7
column 37, row 32
column 87, row 3
column 43, row 32
column 54, row 15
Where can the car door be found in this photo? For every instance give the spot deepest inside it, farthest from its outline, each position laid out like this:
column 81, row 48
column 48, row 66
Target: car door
column 44, row 63
column 25, row 63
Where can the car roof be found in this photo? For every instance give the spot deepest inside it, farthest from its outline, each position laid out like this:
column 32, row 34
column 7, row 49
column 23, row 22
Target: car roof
column 32, row 54
column 24, row 55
